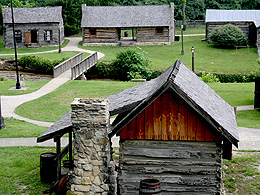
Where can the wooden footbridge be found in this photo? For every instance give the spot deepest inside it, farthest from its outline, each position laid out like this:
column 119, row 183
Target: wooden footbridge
column 77, row 64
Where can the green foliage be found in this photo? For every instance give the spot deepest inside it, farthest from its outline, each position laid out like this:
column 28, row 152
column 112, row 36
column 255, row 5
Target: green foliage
column 38, row 65
column 3, row 79
column 227, row 36
column 209, row 78
column 17, row 3
column 129, row 63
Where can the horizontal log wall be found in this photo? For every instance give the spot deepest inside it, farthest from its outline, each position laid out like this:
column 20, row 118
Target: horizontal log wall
column 54, row 27
column 244, row 26
column 169, row 118
column 103, row 35
column 150, row 35
column 181, row 167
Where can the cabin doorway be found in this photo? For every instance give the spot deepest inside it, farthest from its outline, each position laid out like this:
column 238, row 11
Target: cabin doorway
column 127, row 34
column 34, row 36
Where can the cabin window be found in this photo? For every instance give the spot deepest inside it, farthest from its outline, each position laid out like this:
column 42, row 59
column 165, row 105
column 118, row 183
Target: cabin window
column 159, row 30
column 92, row 32
column 18, row 36
column 48, row 35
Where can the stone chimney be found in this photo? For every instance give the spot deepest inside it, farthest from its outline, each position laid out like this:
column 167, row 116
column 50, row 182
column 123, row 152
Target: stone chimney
column 91, row 173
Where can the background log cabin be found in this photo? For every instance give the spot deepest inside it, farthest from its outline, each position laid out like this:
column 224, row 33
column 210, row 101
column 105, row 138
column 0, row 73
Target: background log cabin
column 34, row 26
column 247, row 20
column 143, row 25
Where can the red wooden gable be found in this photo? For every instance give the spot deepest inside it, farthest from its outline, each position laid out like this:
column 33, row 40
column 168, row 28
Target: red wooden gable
column 169, row 118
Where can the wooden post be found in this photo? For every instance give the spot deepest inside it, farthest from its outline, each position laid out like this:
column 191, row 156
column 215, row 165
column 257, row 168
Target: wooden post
column 58, row 147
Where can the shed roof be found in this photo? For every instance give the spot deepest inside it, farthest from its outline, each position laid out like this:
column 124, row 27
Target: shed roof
column 130, row 102
column 233, row 16
column 188, row 86
column 32, row 14
column 126, row 16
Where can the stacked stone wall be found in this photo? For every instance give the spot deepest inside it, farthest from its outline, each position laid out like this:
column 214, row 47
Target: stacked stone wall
column 92, row 172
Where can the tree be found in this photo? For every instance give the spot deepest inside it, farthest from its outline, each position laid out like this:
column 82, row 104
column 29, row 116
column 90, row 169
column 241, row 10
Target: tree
column 17, row 3
column 195, row 10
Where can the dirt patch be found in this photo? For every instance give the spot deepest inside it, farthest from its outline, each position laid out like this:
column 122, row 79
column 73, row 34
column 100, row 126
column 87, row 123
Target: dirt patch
column 11, row 75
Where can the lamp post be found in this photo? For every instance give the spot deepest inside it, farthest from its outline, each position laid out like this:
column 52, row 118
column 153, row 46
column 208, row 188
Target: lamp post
column 59, row 42
column 18, row 86
column 2, row 124
column 182, row 50
column 192, row 51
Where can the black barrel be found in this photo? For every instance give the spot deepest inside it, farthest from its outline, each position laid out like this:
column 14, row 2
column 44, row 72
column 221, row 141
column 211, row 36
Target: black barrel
column 150, row 186
column 257, row 92
column 48, row 167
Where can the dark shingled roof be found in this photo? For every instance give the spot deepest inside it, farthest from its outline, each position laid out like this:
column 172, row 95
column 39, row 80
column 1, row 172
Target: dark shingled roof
column 62, row 126
column 33, row 14
column 126, row 16
column 130, row 102
column 190, row 87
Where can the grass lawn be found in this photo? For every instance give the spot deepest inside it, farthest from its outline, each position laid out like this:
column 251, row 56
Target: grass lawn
column 32, row 86
column 54, row 105
column 50, row 56
column 242, row 174
column 28, row 50
column 249, row 119
column 207, row 57
column 17, row 128
column 20, row 170
column 191, row 30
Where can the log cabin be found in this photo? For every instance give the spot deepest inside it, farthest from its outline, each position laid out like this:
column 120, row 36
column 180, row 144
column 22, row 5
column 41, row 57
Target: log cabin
column 143, row 25
column 176, row 129
column 247, row 20
column 34, row 26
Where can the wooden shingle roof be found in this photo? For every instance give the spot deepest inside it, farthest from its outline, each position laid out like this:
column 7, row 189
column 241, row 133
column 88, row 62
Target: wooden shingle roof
column 189, row 87
column 179, row 78
column 27, row 15
column 127, row 16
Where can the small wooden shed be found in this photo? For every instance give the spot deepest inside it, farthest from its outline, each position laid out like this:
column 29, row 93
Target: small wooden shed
column 176, row 129
column 34, row 26
column 247, row 20
column 148, row 25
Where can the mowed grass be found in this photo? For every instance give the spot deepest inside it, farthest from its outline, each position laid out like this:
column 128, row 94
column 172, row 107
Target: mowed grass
column 32, row 86
column 207, row 57
column 50, row 56
column 20, row 170
column 54, row 105
column 28, row 50
column 249, row 119
column 17, row 128
column 242, row 174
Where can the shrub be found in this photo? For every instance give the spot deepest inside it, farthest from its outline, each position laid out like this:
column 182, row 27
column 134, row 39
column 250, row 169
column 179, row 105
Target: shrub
column 129, row 63
column 3, row 79
column 227, row 36
column 209, row 78
column 38, row 65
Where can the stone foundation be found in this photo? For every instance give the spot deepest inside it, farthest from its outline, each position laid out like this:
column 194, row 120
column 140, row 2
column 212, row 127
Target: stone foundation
column 93, row 173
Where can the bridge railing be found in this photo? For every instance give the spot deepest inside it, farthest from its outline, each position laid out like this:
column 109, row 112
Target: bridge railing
column 67, row 64
column 83, row 65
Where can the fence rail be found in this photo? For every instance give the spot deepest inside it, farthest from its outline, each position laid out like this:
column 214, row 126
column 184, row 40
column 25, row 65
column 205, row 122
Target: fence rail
column 191, row 23
column 83, row 65
column 67, row 64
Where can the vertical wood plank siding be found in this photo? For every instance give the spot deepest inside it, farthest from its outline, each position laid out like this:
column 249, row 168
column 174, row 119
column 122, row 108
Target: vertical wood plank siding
column 103, row 35
column 169, row 118
column 182, row 167
column 150, row 35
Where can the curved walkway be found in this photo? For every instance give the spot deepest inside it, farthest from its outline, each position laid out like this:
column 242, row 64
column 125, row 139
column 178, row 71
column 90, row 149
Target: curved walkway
column 9, row 103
